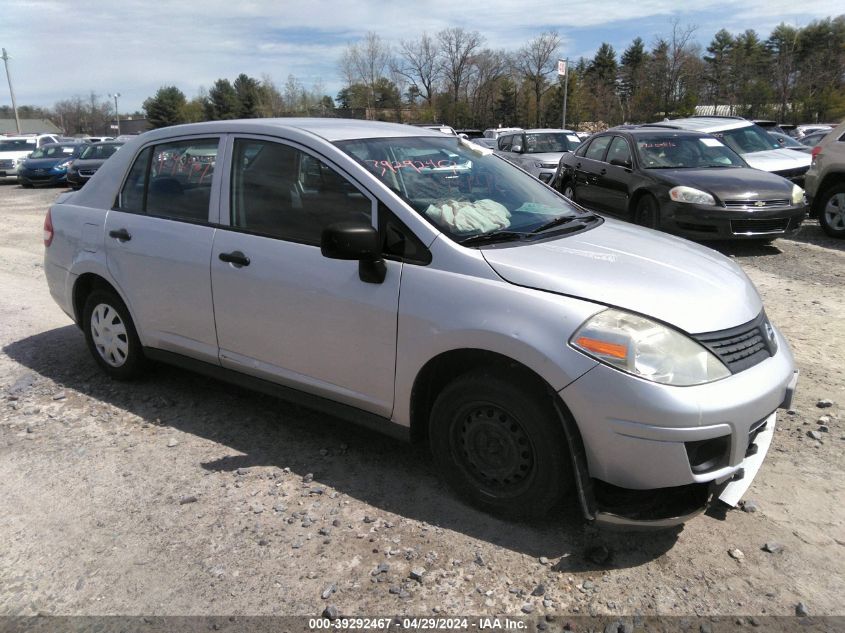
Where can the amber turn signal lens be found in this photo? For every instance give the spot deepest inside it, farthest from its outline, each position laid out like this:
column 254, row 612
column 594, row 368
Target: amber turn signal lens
column 602, row 347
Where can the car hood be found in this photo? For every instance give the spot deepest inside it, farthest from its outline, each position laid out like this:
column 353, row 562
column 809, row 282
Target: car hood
column 44, row 163
column 777, row 159
column 736, row 183
column 88, row 164
column 622, row 265
column 545, row 157
column 17, row 153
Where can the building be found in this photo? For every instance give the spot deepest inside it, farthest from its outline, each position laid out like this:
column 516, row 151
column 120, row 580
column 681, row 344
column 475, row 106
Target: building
column 29, row 126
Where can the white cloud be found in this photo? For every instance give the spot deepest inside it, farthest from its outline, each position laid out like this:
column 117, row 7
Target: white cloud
column 59, row 50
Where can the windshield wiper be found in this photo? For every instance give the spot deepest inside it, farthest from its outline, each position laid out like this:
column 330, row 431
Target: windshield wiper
column 564, row 220
column 492, row 238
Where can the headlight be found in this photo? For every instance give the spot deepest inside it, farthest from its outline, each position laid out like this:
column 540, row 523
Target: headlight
column 797, row 195
column 540, row 165
column 63, row 165
column 647, row 349
column 690, row 195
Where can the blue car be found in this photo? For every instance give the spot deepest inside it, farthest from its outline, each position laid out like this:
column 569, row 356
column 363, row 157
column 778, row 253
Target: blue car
column 48, row 164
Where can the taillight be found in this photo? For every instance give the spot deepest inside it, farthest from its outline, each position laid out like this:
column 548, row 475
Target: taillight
column 816, row 151
column 48, row 229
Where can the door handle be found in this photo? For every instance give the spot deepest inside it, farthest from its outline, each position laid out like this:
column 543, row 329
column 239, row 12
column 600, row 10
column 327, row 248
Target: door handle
column 121, row 235
column 235, row 257
column 603, row 172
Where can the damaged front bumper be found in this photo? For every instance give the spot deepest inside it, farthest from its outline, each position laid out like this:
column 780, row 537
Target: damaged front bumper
column 711, row 475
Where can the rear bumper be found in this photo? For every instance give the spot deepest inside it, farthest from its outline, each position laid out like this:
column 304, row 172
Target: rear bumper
column 715, row 223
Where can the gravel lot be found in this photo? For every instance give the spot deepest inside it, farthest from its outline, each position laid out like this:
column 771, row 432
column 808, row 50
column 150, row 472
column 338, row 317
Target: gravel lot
column 180, row 495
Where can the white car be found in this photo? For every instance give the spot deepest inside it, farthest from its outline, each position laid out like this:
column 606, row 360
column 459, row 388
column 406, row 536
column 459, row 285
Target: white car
column 759, row 149
column 14, row 150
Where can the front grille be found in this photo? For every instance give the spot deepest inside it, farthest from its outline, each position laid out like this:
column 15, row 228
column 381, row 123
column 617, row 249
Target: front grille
column 757, row 204
column 7, row 164
column 741, row 347
column 759, row 226
column 87, row 172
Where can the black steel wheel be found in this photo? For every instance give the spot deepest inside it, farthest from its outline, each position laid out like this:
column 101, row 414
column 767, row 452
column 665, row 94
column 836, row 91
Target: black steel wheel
column 500, row 445
column 647, row 212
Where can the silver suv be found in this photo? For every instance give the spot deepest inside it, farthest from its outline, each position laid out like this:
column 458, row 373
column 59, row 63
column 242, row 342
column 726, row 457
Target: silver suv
column 759, row 149
column 826, row 182
column 418, row 284
column 537, row 151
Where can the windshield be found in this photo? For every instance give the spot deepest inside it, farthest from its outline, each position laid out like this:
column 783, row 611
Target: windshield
column 785, row 141
column 462, row 188
column 551, row 142
column 666, row 151
column 99, row 151
column 745, row 140
column 56, row 151
column 17, row 145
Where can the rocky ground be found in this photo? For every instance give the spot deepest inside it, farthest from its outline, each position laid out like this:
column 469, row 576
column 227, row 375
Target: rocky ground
column 180, row 495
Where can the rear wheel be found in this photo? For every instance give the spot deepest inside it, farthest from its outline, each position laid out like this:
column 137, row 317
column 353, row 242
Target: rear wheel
column 500, row 445
column 832, row 211
column 111, row 336
column 647, row 212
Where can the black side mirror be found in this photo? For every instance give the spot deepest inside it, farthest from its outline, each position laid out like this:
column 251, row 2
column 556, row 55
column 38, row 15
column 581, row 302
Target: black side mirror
column 621, row 163
column 353, row 240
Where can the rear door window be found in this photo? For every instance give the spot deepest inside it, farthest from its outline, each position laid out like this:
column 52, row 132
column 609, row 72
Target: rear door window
column 172, row 180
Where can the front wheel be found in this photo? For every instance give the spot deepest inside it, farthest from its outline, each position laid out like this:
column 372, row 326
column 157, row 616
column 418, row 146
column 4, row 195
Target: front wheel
column 500, row 445
column 832, row 211
column 569, row 190
column 111, row 336
column 647, row 212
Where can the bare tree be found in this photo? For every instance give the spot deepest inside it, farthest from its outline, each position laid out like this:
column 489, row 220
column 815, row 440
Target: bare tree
column 535, row 61
column 457, row 49
column 490, row 67
column 417, row 62
column 366, row 62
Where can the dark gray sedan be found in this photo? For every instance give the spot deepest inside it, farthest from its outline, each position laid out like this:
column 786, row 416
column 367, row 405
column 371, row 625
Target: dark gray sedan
column 91, row 159
column 682, row 182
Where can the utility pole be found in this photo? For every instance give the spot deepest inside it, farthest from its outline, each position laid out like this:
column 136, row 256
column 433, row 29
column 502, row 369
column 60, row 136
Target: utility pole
column 116, row 111
column 5, row 59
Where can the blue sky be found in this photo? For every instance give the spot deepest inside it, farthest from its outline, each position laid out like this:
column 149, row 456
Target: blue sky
column 58, row 49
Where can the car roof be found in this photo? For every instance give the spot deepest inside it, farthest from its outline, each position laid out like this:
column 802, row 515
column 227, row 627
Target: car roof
column 704, row 123
column 329, row 129
column 540, row 130
column 651, row 130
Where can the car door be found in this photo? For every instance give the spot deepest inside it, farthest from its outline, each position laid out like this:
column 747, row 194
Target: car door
column 616, row 182
column 588, row 170
column 158, row 244
column 285, row 312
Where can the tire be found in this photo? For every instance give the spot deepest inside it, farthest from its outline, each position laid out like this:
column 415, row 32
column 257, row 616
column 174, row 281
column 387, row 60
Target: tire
column 647, row 212
column 832, row 211
column 111, row 336
column 500, row 445
column 26, row 185
column 568, row 190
